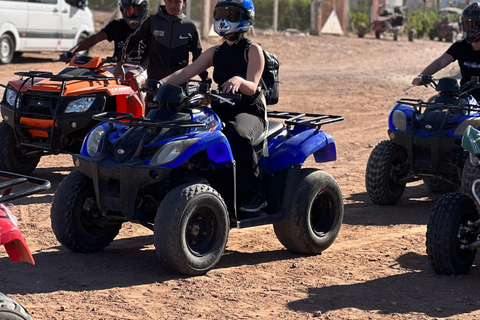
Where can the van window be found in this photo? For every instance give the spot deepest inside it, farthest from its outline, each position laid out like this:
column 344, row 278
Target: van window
column 44, row 1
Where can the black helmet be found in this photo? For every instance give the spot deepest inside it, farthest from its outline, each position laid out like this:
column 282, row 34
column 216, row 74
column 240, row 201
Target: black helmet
column 471, row 22
column 133, row 11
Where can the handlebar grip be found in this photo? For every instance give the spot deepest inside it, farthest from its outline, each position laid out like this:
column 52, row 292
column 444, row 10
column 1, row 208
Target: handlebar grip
column 233, row 96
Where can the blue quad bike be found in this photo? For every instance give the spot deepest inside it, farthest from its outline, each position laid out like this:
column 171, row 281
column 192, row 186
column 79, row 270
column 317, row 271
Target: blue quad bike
column 424, row 143
column 453, row 230
column 174, row 173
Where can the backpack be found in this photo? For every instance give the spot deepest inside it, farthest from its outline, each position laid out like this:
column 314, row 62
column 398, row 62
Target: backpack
column 269, row 80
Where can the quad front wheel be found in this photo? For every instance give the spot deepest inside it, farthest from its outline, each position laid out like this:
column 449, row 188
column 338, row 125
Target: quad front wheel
column 315, row 216
column 191, row 228
column 386, row 165
column 12, row 310
column 14, row 158
column 75, row 215
column 448, row 231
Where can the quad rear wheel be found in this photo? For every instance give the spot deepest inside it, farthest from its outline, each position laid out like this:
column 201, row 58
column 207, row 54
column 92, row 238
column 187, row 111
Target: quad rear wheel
column 315, row 216
column 191, row 228
column 448, row 231
column 386, row 165
column 74, row 216
column 14, row 158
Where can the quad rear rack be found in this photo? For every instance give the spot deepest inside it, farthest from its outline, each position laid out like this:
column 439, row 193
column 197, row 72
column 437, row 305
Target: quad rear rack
column 304, row 119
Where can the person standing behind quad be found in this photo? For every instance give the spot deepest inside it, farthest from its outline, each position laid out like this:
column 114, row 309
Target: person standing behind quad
column 169, row 37
column 466, row 52
column 238, row 65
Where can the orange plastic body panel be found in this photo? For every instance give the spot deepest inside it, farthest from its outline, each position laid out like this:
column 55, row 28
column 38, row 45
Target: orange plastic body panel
column 38, row 123
column 92, row 64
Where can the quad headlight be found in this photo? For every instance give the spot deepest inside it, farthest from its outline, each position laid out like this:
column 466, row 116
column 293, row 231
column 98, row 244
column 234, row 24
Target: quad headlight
column 171, row 151
column 80, row 105
column 94, row 140
column 10, row 96
column 399, row 120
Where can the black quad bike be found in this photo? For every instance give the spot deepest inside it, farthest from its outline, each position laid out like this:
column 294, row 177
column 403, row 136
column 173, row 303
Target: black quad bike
column 424, row 142
column 174, row 173
column 453, row 231
column 45, row 113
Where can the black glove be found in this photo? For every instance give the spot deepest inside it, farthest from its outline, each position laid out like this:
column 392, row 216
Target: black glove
column 425, row 80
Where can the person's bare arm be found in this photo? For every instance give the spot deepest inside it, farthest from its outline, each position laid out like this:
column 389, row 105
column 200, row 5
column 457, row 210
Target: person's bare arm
column 437, row 65
column 91, row 41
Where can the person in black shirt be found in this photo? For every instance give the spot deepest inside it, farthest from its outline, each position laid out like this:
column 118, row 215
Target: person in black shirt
column 133, row 12
column 466, row 52
column 118, row 30
column 238, row 64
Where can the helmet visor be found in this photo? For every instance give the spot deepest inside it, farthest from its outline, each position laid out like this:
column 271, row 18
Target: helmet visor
column 471, row 25
column 131, row 11
column 232, row 14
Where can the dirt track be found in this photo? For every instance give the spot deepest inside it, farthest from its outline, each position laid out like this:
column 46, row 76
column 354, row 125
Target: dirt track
column 376, row 269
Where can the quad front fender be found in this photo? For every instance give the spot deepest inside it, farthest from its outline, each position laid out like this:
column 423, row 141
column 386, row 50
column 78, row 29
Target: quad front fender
column 12, row 238
column 296, row 149
column 214, row 143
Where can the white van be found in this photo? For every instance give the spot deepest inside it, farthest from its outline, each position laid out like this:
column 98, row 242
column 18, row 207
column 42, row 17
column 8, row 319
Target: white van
column 42, row 25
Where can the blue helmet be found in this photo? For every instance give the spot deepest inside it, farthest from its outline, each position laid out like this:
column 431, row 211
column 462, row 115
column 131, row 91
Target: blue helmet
column 233, row 16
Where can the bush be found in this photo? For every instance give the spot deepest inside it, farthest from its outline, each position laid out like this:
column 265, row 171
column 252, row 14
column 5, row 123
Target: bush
column 357, row 18
column 415, row 20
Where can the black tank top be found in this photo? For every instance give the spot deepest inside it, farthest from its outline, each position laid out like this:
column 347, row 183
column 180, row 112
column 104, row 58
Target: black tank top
column 229, row 61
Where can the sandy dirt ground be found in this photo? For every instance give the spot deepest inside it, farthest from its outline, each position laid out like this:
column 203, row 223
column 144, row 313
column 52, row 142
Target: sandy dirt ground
column 376, row 269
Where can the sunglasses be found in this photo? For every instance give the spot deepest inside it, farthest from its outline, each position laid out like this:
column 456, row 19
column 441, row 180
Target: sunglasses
column 232, row 14
column 131, row 11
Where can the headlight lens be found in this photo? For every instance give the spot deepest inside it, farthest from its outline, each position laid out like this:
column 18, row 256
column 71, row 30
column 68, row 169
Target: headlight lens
column 399, row 120
column 10, row 96
column 94, row 140
column 171, row 151
column 80, row 105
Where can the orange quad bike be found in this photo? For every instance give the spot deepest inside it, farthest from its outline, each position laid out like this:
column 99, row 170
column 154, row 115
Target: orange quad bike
column 12, row 187
column 45, row 113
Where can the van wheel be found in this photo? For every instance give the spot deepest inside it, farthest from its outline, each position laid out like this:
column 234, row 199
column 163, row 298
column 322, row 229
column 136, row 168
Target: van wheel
column 6, row 49
column 82, row 37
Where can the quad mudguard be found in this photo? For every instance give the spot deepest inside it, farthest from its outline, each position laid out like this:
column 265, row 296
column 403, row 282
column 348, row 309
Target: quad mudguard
column 11, row 238
column 297, row 148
